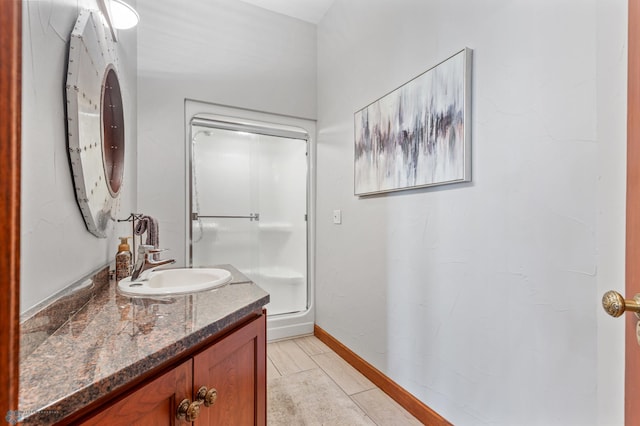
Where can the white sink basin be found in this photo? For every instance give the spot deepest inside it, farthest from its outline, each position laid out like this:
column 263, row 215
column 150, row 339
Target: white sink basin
column 175, row 281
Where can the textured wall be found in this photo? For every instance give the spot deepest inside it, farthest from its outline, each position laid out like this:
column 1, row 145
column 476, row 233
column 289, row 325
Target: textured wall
column 482, row 299
column 56, row 248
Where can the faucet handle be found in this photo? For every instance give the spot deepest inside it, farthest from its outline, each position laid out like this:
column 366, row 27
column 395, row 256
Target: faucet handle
column 149, row 249
column 144, row 249
column 155, row 250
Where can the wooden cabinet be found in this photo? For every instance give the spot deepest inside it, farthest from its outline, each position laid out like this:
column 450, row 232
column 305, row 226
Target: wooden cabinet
column 234, row 365
column 236, row 368
column 153, row 404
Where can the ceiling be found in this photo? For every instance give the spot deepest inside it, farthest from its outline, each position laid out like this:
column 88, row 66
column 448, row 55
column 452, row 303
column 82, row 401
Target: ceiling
column 307, row 10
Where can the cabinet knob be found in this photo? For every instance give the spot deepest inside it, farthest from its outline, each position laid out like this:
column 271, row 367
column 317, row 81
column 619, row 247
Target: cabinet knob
column 188, row 411
column 207, row 397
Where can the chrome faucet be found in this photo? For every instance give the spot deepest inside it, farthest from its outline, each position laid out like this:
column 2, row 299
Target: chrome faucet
column 145, row 261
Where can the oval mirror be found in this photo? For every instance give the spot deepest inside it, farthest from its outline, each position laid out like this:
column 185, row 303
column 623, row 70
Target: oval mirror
column 112, row 132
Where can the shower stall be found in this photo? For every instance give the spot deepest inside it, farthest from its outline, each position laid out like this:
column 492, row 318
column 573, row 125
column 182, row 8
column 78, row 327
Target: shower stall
column 249, row 207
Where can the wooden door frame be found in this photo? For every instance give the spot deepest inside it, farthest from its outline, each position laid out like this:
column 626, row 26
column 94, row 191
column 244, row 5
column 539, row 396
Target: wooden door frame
column 632, row 268
column 10, row 126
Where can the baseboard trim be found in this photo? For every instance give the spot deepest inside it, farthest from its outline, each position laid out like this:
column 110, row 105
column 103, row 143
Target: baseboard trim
column 410, row 403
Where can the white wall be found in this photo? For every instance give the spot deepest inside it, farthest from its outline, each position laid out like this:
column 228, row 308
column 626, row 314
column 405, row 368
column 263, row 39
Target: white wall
column 482, row 299
column 611, row 121
column 221, row 51
column 56, row 248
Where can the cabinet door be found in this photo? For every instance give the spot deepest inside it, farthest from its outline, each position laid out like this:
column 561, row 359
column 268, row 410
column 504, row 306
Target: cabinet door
column 154, row 404
column 236, row 368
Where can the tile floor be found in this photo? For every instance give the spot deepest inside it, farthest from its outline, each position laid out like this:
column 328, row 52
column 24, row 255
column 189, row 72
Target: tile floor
column 309, row 384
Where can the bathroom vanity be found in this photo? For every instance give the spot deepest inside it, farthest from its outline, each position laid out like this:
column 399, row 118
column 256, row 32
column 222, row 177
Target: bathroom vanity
column 119, row 360
column 222, row 384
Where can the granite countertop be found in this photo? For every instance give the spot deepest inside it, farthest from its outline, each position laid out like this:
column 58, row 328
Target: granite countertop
column 113, row 339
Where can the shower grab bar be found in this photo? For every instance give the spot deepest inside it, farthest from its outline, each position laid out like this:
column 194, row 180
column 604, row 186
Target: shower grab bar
column 251, row 217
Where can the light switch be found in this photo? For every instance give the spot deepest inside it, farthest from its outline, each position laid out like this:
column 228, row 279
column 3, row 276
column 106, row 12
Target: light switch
column 337, row 217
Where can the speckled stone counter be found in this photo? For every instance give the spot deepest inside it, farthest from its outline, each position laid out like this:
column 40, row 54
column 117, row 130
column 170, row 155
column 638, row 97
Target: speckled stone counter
column 114, row 339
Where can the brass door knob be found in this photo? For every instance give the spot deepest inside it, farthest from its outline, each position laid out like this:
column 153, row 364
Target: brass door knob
column 615, row 305
column 207, row 397
column 188, row 411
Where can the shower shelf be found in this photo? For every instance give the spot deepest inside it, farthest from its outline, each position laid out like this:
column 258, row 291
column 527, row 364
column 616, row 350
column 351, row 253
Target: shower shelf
column 281, row 275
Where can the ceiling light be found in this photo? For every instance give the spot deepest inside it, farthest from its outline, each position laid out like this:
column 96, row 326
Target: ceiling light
column 123, row 16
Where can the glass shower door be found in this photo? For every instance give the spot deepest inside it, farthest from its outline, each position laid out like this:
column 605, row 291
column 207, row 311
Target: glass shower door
column 249, row 201
column 224, row 199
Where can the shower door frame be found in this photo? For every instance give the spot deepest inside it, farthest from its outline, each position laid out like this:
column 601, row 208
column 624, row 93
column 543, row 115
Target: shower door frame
column 223, row 117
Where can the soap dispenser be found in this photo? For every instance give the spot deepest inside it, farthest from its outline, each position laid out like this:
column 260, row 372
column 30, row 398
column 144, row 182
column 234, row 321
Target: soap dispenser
column 123, row 259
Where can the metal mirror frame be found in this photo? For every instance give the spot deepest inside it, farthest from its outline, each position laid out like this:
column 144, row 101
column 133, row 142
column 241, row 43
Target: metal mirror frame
column 95, row 122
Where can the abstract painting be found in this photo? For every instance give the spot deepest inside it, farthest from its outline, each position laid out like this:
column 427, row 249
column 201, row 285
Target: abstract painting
column 419, row 134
